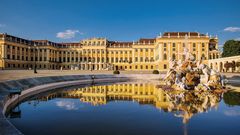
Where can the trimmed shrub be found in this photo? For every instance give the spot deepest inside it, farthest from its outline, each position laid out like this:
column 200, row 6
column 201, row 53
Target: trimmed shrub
column 116, row 72
column 155, row 72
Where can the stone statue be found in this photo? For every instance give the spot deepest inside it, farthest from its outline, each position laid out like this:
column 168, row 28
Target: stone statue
column 187, row 74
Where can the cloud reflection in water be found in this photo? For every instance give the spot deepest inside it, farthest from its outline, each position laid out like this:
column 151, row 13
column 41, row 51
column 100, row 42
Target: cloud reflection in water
column 232, row 113
column 67, row 105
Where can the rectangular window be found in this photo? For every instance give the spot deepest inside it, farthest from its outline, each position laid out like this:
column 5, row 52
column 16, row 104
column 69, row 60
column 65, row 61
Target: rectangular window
column 136, row 59
column 194, row 44
column 165, row 66
column 165, row 44
column 174, row 44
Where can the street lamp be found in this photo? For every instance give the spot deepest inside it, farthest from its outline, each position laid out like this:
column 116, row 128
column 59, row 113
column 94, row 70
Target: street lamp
column 35, row 65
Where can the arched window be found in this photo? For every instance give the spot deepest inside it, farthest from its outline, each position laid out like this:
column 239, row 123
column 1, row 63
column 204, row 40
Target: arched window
column 165, row 56
column 203, row 57
column 194, row 55
column 173, row 56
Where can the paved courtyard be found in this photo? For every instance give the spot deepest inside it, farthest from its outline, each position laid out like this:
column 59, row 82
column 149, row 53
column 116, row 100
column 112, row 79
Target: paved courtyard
column 20, row 74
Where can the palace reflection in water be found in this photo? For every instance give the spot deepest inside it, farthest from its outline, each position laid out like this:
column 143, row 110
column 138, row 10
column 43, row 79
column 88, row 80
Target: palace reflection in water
column 131, row 108
column 180, row 103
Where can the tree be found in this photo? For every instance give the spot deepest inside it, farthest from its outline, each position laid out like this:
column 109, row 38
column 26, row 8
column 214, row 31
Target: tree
column 232, row 98
column 231, row 48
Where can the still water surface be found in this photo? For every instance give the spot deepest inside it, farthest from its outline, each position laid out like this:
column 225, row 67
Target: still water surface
column 127, row 109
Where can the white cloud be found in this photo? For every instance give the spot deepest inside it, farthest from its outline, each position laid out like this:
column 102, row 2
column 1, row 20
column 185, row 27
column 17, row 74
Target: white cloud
column 68, row 34
column 232, row 29
column 66, row 105
column 2, row 25
column 232, row 113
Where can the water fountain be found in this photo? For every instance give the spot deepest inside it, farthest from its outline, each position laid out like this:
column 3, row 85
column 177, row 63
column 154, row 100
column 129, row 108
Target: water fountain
column 192, row 74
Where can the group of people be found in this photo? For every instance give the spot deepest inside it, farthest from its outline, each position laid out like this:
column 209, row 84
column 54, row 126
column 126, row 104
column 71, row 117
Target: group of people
column 190, row 74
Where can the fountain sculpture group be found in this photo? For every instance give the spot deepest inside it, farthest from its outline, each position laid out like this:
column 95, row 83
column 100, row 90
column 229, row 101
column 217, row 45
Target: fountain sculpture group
column 191, row 86
column 191, row 74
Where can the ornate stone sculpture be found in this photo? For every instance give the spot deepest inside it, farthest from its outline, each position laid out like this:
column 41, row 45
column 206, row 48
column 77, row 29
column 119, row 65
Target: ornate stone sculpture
column 190, row 74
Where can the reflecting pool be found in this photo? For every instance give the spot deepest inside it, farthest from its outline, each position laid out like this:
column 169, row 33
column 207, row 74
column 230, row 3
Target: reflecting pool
column 127, row 109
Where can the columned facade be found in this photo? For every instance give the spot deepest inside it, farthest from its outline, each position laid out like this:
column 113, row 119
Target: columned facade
column 102, row 54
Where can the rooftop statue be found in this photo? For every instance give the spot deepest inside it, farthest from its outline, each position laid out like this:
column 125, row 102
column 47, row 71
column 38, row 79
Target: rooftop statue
column 190, row 74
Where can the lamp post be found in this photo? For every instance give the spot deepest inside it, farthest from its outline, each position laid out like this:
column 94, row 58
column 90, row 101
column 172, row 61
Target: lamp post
column 35, row 65
column 3, row 63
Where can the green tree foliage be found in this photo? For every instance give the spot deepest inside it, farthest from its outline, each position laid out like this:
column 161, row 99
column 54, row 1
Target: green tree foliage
column 231, row 48
column 116, row 72
column 155, row 72
column 232, row 98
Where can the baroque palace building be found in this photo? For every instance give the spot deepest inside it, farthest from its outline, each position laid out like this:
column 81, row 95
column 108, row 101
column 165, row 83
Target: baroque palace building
column 102, row 54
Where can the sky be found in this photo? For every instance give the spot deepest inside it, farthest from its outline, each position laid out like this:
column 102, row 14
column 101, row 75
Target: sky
column 120, row 20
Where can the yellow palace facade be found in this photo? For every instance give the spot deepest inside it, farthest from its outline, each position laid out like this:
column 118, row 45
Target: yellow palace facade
column 102, row 54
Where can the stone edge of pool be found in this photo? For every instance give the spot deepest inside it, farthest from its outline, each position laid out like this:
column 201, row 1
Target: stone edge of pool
column 32, row 86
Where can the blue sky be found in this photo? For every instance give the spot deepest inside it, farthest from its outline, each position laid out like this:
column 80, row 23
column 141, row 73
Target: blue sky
column 122, row 20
